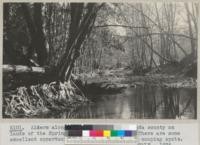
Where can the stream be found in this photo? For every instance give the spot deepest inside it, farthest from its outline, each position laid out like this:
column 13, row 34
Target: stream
column 140, row 102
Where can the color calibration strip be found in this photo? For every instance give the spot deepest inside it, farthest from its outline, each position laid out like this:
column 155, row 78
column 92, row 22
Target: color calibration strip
column 100, row 134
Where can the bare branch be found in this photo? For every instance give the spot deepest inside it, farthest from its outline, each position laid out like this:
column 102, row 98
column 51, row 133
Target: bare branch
column 125, row 26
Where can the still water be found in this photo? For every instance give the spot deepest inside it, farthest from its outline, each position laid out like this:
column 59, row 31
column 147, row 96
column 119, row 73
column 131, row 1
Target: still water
column 141, row 102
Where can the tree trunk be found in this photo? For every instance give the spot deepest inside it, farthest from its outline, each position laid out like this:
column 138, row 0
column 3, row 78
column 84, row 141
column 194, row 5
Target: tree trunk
column 24, row 69
column 76, row 12
column 31, row 28
column 40, row 39
column 193, row 51
column 79, row 29
column 36, row 32
column 20, row 75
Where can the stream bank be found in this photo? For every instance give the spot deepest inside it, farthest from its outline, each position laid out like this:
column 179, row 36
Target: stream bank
column 106, row 94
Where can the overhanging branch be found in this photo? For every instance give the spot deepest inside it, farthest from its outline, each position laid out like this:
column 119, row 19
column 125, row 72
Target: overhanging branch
column 125, row 26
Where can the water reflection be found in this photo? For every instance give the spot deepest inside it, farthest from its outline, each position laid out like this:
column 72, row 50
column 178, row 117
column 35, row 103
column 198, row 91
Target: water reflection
column 141, row 102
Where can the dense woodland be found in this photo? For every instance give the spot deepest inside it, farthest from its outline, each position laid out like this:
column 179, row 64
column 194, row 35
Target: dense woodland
column 55, row 53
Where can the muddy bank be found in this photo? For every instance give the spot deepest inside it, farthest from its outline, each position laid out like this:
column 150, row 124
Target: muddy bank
column 118, row 79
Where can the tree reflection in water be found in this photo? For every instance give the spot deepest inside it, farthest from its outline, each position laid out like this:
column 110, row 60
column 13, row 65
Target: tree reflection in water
column 141, row 102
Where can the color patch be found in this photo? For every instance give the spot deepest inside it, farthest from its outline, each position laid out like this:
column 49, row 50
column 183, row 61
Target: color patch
column 113, row 133
column 86, row 133
column 75, row 133
column 120, row 133
column 106, row 133
column 99, row 133
column 93, row 133
column 87, row 127
column 134, row 133
column 73, row 127
column 128, row 133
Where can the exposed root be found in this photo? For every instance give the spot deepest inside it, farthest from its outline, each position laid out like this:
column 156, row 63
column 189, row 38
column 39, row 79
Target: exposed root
column 39, row 100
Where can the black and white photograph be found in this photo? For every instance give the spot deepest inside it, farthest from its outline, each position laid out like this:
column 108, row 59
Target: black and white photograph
column 66, row 60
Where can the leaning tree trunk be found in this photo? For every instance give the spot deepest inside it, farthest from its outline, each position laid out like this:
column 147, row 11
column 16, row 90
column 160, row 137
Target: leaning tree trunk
column 80, row 28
